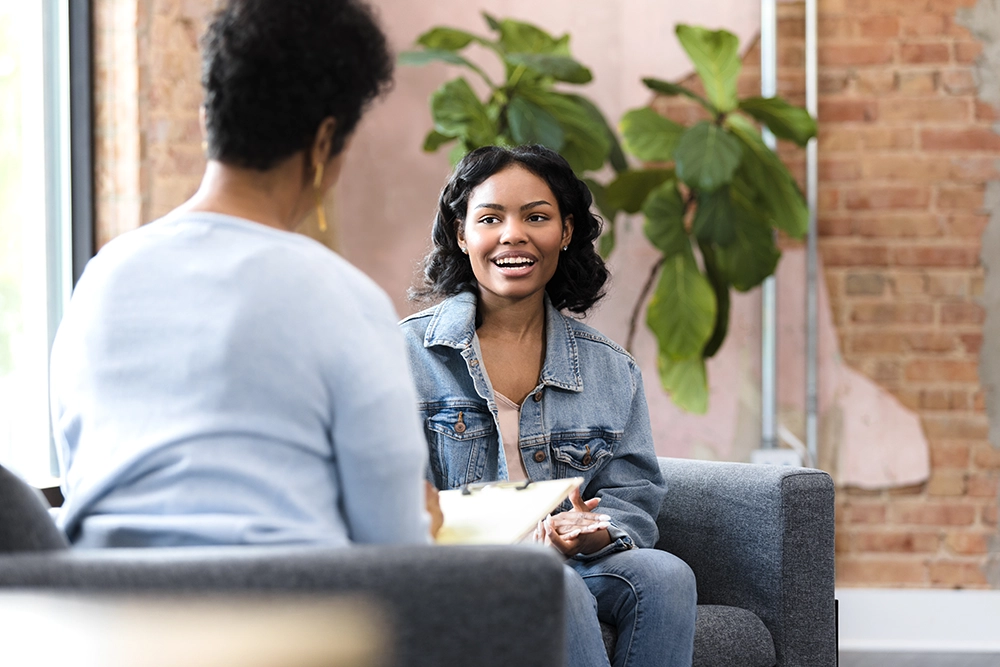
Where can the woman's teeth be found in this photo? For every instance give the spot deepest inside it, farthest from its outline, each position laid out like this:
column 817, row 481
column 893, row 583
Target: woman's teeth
column 513, row 261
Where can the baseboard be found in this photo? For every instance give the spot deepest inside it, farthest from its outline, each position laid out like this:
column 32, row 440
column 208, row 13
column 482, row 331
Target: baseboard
column 903, row 620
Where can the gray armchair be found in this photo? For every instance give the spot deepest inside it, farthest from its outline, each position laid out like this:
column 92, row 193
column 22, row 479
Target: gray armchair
column 760, row 541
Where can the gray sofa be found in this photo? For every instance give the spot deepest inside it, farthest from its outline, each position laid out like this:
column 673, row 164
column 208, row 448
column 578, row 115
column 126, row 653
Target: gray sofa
column 759, row 538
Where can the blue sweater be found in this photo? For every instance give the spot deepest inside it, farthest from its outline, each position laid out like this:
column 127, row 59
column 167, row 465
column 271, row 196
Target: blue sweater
column 217, row 381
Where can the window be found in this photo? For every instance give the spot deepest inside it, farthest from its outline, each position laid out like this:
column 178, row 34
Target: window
column 37, row 205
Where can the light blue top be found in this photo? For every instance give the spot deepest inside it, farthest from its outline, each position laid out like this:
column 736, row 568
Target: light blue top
column 217, row 381
column 586, row 418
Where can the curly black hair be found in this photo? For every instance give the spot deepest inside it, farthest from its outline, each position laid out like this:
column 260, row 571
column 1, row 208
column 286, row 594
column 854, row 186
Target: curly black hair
column 578, row 282
column 272, row 70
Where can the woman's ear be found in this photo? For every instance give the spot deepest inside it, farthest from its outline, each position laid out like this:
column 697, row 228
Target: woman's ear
column 322, row 145
column 567, row 230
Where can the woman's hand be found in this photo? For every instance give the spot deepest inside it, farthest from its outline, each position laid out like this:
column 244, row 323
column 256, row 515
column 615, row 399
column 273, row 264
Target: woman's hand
column 578, row 531
column 433, row 508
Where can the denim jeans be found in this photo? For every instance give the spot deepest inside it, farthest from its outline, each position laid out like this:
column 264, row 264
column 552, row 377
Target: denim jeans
column 647, row 594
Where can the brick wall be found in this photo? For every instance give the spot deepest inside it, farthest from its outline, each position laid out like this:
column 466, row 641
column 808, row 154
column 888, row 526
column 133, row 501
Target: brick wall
column 906, row 150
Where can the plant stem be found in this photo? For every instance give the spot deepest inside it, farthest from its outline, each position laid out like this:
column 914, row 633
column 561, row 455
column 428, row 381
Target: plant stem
column 633, row 322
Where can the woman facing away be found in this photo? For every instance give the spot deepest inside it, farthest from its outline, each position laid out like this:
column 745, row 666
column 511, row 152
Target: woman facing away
column 511, row 388
column 217, row 378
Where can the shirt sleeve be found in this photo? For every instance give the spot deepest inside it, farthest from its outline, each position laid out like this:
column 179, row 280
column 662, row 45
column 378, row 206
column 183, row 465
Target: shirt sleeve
column 379, row 449
column 630, row 485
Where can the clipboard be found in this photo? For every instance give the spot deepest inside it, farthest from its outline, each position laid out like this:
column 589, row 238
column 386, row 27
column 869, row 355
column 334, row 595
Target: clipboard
column 499, row 512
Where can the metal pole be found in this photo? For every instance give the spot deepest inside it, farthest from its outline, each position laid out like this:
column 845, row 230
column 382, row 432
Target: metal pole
column 812, row 250
column 769, row 296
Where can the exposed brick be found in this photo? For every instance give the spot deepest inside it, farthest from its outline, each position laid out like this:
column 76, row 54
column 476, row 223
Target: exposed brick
column 898, row 226
column 966, row 427
column 926, row 25
column 882, row 571
column 958, row 82
column 967, row 52
column 966, row 139
column 909, row 283
column 896, row 541
column 887, row 197
column 971, row 342
column 831, row 83
column 910, row 398
column 974, row 169
column 887, row 373
column 833, row 169
column 888, row 138
column 875, row 82
column 966, row 225
column 829, row 197
column 833, row 139
column 931, row 342
column 986, row 112
column 915, row 83
column 791, row 28
column 892, row 313
column 944, row 109
column 949, row 454
column 831, row 27
column 913, row 168
column 961, row 197
column 922, row 54
column 868, row 284
column 854, row 255
column 847, row 110
column 967, row 544
column 986, row 456
column 934, row 399
column 875, row 343
column 946, row 483
column 984, row 484
column 948, row 284
column 962, row 313
column 879, row 27
column 956, row 575
column 834, row 55
column 834, row 225
column 990, row 515
column 936, row 256
column 864, row 513
column 938, row 513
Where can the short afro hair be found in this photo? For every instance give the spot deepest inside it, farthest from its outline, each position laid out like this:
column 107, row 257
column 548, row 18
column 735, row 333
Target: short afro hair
column 272, row 70
column 578, row 282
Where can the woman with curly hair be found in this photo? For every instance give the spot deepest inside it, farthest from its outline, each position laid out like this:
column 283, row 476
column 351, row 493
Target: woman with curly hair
column 512, row 389
column 217, row 378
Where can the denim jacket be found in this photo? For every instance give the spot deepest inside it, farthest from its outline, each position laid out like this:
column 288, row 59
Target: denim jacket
column 587, row 417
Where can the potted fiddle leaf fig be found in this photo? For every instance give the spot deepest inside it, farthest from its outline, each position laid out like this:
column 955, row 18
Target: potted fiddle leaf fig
column 712, row 205
column 523, row 108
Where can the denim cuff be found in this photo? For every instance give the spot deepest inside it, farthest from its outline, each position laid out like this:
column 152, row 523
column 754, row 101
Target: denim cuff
column 620, row 541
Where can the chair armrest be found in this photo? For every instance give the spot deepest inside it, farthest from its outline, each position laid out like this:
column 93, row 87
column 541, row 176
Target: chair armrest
column 760, row 538
column 492, row 606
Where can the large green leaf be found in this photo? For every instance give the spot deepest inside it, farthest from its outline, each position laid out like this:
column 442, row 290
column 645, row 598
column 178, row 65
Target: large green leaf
column 445, row 38
column 616, row 156
column 492, row 22
column 649, row 136
column 772, row 188
column 434, row 140
column 715, row 219
column 720, row 286
column 457, row 112
column 427, row 56
column 715, row 54
column 783, row 119
column 707, row 156
column 560, row 68
column 686, row 381
column 681, row 313
column 752, row 256
column 630, row 188
column 530, row 124
column 520, row 37
column 673, row 89
column 664, row 227
column 586, row 143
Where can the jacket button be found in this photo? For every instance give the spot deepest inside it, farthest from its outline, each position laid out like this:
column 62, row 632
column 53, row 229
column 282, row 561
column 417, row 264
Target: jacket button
column 460, row 427
column 474, row 363
column 537, row 396
column 539, row 456
column 587, row 459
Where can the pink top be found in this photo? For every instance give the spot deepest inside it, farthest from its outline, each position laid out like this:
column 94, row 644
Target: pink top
column 509, row 416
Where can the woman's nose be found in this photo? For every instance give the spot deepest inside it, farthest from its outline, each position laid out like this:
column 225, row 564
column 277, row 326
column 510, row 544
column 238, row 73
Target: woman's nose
column 513, row 232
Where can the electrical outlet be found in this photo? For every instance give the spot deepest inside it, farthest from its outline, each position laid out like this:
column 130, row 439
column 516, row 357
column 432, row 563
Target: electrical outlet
column 778, row 456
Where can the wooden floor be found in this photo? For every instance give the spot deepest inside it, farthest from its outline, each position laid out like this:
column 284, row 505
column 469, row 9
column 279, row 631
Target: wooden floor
column 852, row 659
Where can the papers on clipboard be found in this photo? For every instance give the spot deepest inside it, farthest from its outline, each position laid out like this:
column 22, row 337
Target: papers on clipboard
column 499, row 512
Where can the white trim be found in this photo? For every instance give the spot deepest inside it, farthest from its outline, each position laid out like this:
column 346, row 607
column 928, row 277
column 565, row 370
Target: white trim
column 954, row 621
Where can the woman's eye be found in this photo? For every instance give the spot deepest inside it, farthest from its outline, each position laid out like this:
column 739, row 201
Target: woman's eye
column 489, row 219
column 538, row 217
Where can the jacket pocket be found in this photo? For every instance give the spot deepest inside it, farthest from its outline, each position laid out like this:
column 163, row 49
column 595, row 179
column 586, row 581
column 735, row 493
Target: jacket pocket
column 459, row 437
column 580, row 456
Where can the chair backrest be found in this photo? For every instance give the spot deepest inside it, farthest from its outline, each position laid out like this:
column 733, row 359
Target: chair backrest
column 25, row 524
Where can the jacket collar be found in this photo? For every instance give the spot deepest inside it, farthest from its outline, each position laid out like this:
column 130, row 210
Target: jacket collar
column 454, row 325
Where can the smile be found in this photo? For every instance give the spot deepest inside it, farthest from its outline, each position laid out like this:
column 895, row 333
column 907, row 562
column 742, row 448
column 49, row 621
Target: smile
column 513, row 262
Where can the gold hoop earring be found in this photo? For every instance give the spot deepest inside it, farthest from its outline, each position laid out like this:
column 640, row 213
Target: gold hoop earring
column 318, row 186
